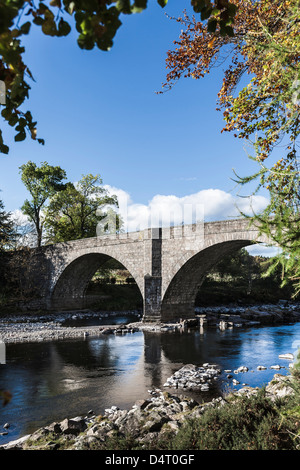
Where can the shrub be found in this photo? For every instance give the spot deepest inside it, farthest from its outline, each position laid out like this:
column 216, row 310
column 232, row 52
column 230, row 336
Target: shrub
column 253, row 423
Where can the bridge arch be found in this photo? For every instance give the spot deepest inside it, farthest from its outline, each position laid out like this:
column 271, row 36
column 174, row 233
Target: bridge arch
column 179, row 297
column 69, row 289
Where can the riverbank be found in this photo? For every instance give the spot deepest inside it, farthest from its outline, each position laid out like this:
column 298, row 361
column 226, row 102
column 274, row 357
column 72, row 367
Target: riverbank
column 165, row 421
column 37, row 327
column 88, row 380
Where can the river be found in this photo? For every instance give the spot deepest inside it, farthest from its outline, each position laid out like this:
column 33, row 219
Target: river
column 50, row 381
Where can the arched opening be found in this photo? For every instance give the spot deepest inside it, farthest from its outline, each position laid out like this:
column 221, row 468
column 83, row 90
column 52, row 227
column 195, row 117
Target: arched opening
column 239, row 279
column 179, row 298
column 112, row 287
column 98, row 282
column 224, row 273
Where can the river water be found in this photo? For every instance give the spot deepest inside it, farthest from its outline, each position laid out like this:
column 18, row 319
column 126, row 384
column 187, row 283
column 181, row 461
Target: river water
column 58, row 379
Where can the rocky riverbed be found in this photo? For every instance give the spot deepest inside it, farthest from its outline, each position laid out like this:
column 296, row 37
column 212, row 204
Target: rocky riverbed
column 52, row 326
column 237, row 315
column 148, row 419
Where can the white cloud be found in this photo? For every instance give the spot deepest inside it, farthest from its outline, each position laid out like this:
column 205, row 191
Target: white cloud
column 19, row 218
column 165, row 210
column 207, row 204
column 25, row 229
column 263, row 250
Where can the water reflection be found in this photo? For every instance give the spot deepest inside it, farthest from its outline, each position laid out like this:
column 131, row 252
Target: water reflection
column 50, row 381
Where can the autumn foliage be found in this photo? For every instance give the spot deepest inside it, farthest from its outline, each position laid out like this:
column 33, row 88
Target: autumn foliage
column 265, row 46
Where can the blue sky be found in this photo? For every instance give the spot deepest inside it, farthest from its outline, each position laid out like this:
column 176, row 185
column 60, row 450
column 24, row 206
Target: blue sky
column 98, row 113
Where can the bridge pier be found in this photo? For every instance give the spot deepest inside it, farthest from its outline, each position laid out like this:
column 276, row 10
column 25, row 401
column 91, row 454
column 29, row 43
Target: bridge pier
column 152, row 299
column 152, row 278
column 177, row 311
column 155, row 309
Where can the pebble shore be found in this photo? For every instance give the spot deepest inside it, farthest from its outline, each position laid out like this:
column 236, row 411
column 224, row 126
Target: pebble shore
column 46, row 327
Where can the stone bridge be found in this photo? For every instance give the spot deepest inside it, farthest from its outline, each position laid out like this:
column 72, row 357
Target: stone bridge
column 168, row 264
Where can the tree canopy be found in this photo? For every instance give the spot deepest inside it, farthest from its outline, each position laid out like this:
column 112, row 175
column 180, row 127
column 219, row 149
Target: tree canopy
column 42, row 183
column 74, row 213
column 8, row 233
column 265, row 47
column 96, row 22
column 65, row 211
column 241, row 277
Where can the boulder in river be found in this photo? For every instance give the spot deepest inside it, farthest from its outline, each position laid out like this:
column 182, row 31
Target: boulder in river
column 192, row 377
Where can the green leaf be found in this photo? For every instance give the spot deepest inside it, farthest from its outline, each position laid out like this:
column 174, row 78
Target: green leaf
column 63, row 28
column 71, row 8
column 6, row 113
column 231, row 8
column 25, row 28
column 226, row 30
column 4, row 149
column 43, row 8
column 198, row 5
column 215, row 12
column 205, row 13
column 85, row 41
column 20, row 136
column 162, row 3
column 13, row 120
column 49, row 27
column 55, row 3
column 212, row 25
column 124, row 6
column 38, row 20
column 105, row 43
column 141, row 4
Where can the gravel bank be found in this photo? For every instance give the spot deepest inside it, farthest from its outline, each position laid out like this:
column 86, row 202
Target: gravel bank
column 47, row 327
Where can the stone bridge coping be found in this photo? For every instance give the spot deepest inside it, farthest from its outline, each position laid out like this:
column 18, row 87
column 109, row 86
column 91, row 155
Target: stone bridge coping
column 173, row 232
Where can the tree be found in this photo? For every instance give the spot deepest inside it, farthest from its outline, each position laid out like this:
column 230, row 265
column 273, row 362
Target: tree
column 96, row 23
column 266, row 48
column 242, row 277
column 280, row 221
column 42, row 183
column 74, row 212
column 8, row 234
column 8, row 237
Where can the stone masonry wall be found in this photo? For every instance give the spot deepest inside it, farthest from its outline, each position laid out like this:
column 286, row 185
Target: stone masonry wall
column 168, row 264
